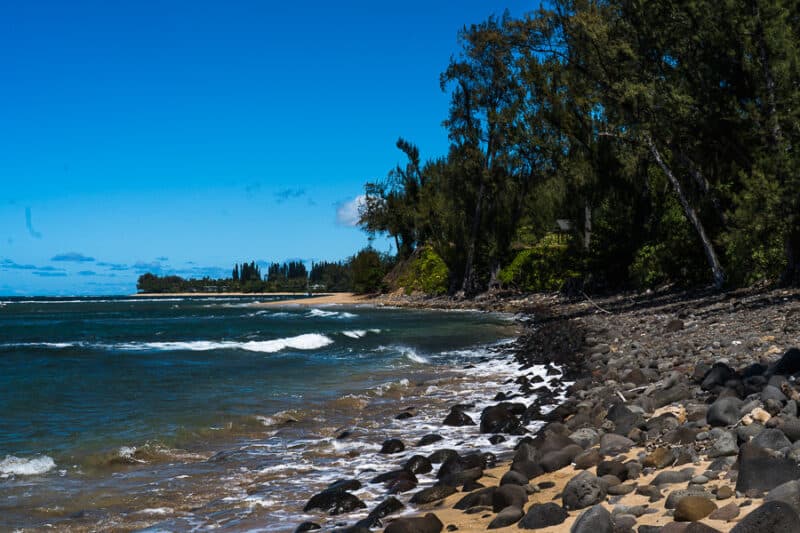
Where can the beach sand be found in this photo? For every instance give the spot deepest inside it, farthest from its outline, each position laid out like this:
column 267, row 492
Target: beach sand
column 339, row 298
column 301, row 298
column 479, row 521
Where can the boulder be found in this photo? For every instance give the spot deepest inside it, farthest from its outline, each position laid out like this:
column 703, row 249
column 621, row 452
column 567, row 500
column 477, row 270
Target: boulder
column 450, row 466
column 432, row 494
column 693, row 508
column 673, row 476
column 775, row 517
column 418, row 464
column 509, row 495
column 392, row 446
column 429, row 523
column 788, row 364
column 614, row 468
column 659, row 458
column 788, row 492
column 717, row 376
column 612, row 444
column 623, row 418
column 541, row 515
column 457, row 417
column 508, row 516
column 588, row 459
column 528, row 469
column 429, row 439
column 442, row 455
column 727, row 512
column 594, row 520
column 585, row 437
column 388, row 506
column 500, row 419
column 464, row 476
column 583, row 490
column 724, row 412
column 724, row 445
column 791, row 428
column 771, row 439
column 526, row 452
column 764, row 473
column 334, row 501
column 677, row 495
column 478, row 498
column 772, row 393
column 558, row 459
column 345, row 484
column 307, row 526
column 513, row 478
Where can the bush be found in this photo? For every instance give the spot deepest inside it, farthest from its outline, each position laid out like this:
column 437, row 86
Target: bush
column 646, row 269
column 544, row 267
column 425, row 271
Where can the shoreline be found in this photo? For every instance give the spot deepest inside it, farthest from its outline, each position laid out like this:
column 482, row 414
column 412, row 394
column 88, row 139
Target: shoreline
column 219, row 294
column 644, row 422
column 300, row 298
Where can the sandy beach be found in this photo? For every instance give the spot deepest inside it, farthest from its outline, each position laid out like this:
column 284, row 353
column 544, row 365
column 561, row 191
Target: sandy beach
column 337, row 298
column 301, row 298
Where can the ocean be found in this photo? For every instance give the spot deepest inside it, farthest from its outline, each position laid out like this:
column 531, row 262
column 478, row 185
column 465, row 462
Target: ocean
column 176, row 414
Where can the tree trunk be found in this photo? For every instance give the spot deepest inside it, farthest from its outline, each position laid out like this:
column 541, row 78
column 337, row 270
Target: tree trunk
column 718, row 274
column 587, row 226
column 468, row 285
column 704, row 186
column 771, row 110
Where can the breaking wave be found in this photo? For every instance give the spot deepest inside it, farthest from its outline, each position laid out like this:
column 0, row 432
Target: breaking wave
column 306, row 341
column 17, row 466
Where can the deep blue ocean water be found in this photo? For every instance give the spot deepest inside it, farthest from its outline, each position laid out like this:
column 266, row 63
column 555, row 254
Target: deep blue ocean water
column 124, row 412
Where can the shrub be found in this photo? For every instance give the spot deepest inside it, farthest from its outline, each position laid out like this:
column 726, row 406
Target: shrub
column 646, row 269
column 425, row 271
column 544, row 267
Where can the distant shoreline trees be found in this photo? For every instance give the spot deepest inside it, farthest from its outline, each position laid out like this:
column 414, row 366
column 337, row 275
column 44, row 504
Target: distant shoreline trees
column 363, row 273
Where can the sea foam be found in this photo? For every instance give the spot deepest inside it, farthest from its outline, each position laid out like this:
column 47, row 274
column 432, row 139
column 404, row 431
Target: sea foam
column 355, row 333
column 321, row 313
column 18, row 466
column 306, row 341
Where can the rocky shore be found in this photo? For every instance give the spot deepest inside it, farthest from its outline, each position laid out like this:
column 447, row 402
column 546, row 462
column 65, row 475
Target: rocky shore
column 681, row 414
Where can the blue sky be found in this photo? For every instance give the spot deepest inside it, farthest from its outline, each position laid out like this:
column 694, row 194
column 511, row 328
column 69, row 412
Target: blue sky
column 182, row 136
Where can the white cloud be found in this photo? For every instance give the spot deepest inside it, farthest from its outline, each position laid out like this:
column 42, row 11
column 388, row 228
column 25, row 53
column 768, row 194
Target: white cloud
column 347, row 212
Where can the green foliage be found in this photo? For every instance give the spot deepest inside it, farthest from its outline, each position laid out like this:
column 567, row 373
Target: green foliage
column 545, row 267
column 425, row 271
column 369, row 268
column 755, row 244
column 336, row 276
column 674, row 256
column 646, row 269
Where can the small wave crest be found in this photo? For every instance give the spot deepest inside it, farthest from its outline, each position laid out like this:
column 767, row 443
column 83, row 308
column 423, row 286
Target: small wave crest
column 18, row 466
column 150, row 452
column 321, row 313
column 289, row 416
column 406, row 351
column 412, row 355
column 56, row 345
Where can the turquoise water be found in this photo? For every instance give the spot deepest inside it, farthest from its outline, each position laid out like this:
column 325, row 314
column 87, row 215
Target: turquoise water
column 127, row 412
